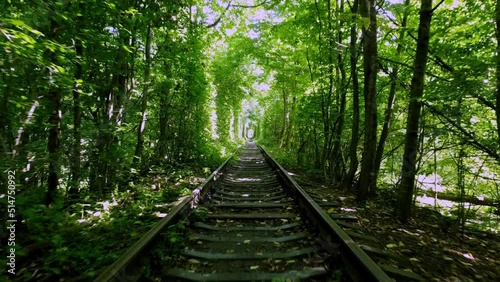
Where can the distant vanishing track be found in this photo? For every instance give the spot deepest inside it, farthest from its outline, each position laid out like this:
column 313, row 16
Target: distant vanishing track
column 253, row 231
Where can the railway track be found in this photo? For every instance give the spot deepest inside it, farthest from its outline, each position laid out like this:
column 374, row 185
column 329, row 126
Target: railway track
column 253, row 223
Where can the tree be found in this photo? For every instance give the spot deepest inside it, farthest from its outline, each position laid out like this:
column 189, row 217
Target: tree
column 405, row 194
column 54, row 106
column 367, row 179
column 353, row 147
column 392, row 93
column 497, row 33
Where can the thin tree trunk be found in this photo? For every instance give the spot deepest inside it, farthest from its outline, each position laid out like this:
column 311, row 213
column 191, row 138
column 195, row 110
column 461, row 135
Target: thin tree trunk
column 328, row 126
column 392, row 95
column 77, row 119
column 408, row 169
column 289, row 139
column 460, row 174
column 325, row 97
column 435, row 173
column 144, row 105
column 367, row 182
column 284, row 117
column 497, row 19
column 317, row 154
column 54, row 100
column 337, row 162
column 353, row 155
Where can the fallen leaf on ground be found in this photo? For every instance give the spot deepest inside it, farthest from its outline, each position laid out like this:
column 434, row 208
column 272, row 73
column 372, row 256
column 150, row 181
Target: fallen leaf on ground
column 194, row 261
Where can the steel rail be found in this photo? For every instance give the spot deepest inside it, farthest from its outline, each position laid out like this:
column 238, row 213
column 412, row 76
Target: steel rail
column 358, row 264
column 127, row 267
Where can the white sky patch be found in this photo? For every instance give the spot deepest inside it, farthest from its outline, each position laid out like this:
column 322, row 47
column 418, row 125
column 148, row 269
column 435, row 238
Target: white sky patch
column 258, row 71
column 456, row 4
column 112, row 30
column 231, row 31
column 262, row 15
column 275, row 19
column 258, row 16
column 388, row 14
column 231, row 127
column 213, row 119
column 261, row 86
column 252, row 34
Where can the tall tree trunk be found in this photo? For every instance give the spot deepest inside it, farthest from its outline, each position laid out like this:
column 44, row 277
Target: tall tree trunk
column 289, row 131
column 392, row 95
column 118, row 105
column 164, row 127
column 54, row 106
column 317, row 153
column 325, row 97
column 285, row 116
column 461, row 216
column 337, row 160
column 367, row 182
column 328, row 127
column 144, row 105
column 353, row 154
column 408, row 170
column 497, row 19
column 77, row 119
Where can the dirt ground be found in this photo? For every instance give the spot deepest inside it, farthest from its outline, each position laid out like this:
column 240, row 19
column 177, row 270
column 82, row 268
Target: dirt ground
column 433, row 248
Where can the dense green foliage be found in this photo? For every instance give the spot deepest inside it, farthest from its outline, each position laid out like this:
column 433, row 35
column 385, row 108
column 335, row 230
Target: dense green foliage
column 309, row 109
column 95, row 97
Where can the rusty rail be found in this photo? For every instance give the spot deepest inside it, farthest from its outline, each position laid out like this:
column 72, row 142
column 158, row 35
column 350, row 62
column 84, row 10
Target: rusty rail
column 359, row 265
column 127, row 268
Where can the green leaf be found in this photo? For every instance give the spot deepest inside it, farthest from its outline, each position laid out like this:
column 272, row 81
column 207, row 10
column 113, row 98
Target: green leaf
column 60, row 69
column 131, row 11
column 125, row 47
column 17, row 23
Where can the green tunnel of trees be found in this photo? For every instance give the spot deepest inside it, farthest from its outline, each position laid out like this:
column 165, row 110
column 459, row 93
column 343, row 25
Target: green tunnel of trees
column 388, row 95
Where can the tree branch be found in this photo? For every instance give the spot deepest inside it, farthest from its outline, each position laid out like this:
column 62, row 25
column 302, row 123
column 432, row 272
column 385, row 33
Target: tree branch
column 483, row 101
column 250, row 6
column 466, row 135
column 217, row 21
column 410, row 67
column 439, row 4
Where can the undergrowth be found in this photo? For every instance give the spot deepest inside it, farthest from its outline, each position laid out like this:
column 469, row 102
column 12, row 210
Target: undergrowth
column 83, row 238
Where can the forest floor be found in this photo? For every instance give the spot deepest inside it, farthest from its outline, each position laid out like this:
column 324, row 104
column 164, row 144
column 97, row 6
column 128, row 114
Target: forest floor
column 433, row 248
column 77, row 242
